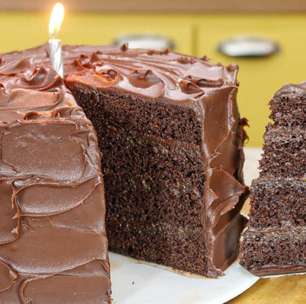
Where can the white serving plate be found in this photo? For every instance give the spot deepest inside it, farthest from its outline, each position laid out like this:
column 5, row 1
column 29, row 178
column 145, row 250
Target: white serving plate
column 135, row 282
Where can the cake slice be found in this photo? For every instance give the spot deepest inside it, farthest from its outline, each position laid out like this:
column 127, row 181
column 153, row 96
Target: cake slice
column 171, row 138
column 53, row 245
column 275, row 239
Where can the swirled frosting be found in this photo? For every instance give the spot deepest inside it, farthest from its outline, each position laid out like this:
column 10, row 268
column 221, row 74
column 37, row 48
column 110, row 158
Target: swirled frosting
column 154, row 74
column 53, row 245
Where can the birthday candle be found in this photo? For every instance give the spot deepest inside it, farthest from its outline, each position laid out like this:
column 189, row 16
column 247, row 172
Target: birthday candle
column 55, row 45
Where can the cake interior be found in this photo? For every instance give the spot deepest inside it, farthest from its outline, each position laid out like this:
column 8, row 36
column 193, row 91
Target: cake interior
column 284, row 203
column 154, row 178
column 284, row 152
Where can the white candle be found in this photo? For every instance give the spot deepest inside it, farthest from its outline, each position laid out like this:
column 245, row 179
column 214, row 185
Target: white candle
column 55, row 45
column 55, row 48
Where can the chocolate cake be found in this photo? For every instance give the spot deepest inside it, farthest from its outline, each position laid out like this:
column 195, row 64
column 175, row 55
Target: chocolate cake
column 275, row 239
column 171, row 138
column 53, row 245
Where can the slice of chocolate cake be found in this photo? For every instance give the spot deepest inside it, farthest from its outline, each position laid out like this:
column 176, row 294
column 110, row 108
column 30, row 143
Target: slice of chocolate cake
column 171, row 137
column 275, row 239
column 53, row 245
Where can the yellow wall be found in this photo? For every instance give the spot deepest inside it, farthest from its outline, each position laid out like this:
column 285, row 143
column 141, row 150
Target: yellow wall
column 194, row 34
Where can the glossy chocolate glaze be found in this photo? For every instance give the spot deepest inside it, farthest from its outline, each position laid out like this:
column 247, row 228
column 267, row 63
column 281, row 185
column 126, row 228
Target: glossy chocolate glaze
column 53, row 245
column 162, row 76
column 154, row 74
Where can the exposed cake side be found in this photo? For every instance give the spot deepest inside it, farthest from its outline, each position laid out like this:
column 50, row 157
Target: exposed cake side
column 275, row 239
column 172, row 138
column 53, row 245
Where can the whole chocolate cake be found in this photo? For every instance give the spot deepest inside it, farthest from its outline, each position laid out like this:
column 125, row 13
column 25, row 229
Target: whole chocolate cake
column 53, row 245
column 275, row 239
column 171, row 138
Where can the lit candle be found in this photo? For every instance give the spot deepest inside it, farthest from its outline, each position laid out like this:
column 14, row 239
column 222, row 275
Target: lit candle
column 55, row 45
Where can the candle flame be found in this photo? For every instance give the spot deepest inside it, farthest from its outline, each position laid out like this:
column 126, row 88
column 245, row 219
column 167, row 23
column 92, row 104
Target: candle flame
column 56, row 19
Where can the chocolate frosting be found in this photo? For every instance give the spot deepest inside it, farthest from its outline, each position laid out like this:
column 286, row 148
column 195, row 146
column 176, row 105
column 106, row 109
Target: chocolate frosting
column 154, row 74
column 53, row 245
column 159, row 76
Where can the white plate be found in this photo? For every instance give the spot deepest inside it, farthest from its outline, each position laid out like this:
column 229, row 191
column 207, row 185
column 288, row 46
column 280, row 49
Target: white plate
column 135, row 282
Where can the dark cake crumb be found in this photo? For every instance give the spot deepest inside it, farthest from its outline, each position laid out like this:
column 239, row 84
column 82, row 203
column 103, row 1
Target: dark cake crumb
column 275, row 239
column 277, row 202
column 288, row 106
column 274, row 251
column 284, row 152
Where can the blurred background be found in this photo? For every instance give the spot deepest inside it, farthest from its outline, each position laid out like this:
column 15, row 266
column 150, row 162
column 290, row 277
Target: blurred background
column 266, row 38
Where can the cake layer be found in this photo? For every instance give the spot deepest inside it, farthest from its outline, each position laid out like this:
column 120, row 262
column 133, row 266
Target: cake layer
column 53, row 245
column 288, row 105
column 179, row 247
column 284, row 152
column 277, row 202
column 157, row 118
column 274, row 251
column 167, row 186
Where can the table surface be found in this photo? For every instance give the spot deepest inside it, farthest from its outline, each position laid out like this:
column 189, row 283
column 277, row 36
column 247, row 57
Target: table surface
column 281, row 290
